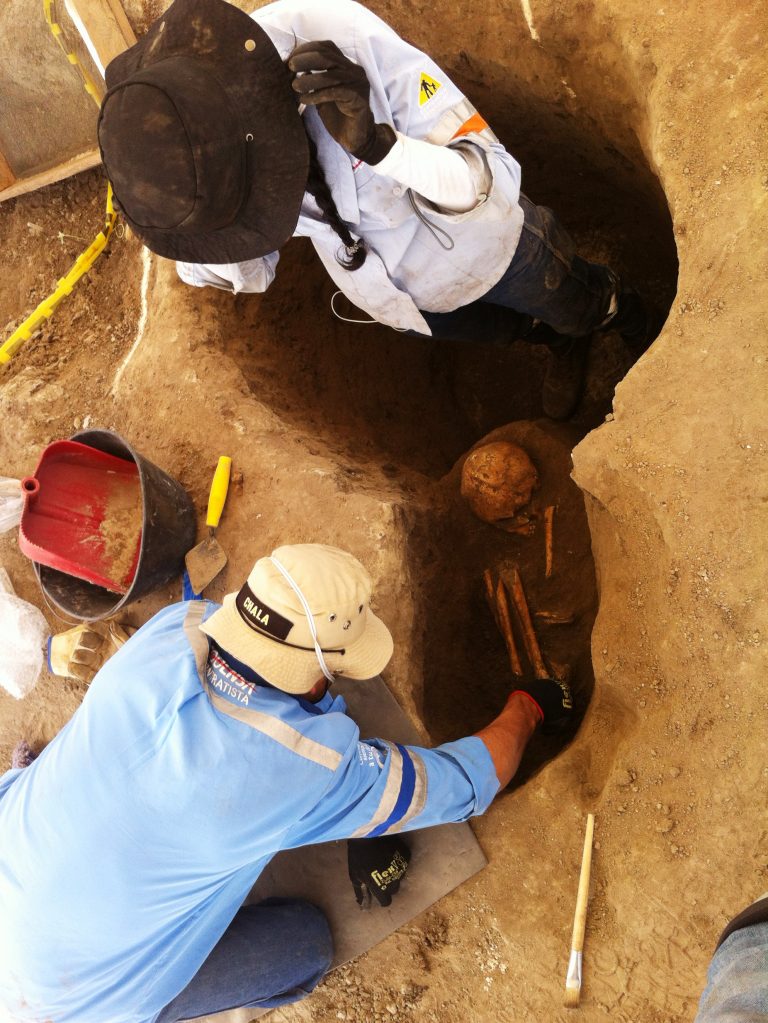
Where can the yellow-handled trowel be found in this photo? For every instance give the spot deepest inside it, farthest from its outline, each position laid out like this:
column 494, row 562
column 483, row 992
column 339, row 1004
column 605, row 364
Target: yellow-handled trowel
column 205, row 561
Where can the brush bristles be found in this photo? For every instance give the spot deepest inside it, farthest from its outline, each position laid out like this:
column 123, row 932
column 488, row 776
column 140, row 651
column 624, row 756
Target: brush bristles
column 572, row 995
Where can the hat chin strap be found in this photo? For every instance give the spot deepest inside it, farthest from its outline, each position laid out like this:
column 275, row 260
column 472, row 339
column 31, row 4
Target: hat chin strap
column 294, row 586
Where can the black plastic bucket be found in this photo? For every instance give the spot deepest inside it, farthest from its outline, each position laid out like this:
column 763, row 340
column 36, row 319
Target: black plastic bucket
column 169, row 529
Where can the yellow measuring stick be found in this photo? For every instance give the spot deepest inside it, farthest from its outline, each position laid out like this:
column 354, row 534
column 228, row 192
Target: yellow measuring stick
column 86, row 259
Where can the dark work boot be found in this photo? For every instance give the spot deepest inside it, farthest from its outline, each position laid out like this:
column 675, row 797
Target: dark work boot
column 638, row 323
column 565, row 376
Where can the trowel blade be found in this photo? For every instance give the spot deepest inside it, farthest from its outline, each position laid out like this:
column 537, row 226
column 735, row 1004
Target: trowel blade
column 204, row 563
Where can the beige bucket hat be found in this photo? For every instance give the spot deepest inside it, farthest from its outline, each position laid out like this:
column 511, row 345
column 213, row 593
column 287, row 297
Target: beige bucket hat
column 303, row 612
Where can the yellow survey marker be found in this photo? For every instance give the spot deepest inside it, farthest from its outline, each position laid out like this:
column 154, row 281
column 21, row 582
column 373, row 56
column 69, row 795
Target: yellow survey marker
column 58, row 35
column 86, row 259
column 64, row 287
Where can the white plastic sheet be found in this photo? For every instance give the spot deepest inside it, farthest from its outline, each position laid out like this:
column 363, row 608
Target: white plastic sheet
column 23, row 634
column 11, row 503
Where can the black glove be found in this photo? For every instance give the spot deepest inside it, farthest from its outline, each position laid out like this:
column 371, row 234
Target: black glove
column 340, row 90
column 553, row 699
column 376, row 867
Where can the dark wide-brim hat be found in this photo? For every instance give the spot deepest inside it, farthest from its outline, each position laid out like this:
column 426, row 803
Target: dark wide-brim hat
column 201, row 137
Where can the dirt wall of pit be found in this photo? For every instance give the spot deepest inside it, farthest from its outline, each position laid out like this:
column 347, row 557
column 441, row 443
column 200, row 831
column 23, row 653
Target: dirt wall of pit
column 672, row 754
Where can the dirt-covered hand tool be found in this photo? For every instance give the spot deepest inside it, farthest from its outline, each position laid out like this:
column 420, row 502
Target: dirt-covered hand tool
column 573, row 978
column 205, row 561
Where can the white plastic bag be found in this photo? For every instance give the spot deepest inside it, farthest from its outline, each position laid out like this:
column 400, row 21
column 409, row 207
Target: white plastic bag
column 11, row 503
column 23, row 633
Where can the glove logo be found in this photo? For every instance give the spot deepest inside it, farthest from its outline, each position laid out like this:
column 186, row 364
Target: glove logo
column 427, row 88
column 394, row 872
column 376, row 868
column 566, row 691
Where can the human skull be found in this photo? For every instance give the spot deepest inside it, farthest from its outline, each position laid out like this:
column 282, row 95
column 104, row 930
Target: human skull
column 497, row 480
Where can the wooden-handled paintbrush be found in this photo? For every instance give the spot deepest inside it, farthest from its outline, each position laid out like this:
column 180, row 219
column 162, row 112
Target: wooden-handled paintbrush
column 573, row 977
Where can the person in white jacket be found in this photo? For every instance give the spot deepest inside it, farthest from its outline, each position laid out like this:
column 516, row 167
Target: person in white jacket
column 225, row 134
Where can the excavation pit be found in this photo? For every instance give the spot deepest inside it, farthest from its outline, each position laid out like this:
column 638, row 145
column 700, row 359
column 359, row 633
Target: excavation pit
column 409, row 407
column 350, row 435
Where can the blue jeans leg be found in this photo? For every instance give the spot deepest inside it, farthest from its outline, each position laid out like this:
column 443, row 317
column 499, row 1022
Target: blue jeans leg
column 272, row 953
column 737, row 979
column 545, row 281
column 478, row 321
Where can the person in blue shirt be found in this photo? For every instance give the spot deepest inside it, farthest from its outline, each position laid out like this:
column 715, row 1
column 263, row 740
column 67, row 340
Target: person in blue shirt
column 205, row 745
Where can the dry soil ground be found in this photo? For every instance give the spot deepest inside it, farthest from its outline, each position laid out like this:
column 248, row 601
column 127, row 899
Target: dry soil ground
column 644, row 127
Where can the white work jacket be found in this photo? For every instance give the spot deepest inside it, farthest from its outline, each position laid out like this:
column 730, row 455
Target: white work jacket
column 438, row 265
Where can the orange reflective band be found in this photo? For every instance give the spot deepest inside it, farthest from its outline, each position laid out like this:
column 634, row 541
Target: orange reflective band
column 476, row 123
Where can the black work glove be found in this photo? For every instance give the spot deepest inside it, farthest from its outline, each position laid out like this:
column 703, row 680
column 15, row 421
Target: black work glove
column 376, row 867
column 553, row 700
column 340, row 90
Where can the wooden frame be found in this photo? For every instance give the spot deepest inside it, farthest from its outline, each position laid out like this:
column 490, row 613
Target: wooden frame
column 106, row 32
column 104, row 28
column 7, row 177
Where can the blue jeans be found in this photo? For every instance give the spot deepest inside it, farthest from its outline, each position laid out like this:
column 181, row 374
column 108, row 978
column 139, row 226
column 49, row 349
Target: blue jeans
column 545, row 281
column 737, row 979
column 272, row 953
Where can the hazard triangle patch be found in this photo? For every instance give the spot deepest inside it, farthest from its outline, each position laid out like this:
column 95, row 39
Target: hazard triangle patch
column 427, row 88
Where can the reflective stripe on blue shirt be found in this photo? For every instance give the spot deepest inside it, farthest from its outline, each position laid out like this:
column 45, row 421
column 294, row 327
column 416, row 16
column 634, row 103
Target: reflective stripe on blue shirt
column 404, row 795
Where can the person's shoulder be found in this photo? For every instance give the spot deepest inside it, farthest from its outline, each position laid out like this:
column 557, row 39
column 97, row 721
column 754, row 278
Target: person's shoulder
column 333, row 730
column 328, row 9
column 177, row 616
column 182, row 609
column 342, row 21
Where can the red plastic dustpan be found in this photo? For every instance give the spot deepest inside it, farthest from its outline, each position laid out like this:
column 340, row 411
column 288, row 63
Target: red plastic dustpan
column 83, row 515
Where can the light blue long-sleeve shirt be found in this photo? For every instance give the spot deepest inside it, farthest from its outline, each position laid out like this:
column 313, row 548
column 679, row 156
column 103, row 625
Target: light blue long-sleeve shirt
column 127, row 847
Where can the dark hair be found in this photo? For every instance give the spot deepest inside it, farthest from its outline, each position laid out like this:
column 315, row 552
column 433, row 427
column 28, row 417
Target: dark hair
column 317, row 186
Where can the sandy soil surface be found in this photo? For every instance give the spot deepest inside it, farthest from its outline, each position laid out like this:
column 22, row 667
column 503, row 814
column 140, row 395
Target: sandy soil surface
column 644, row 128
